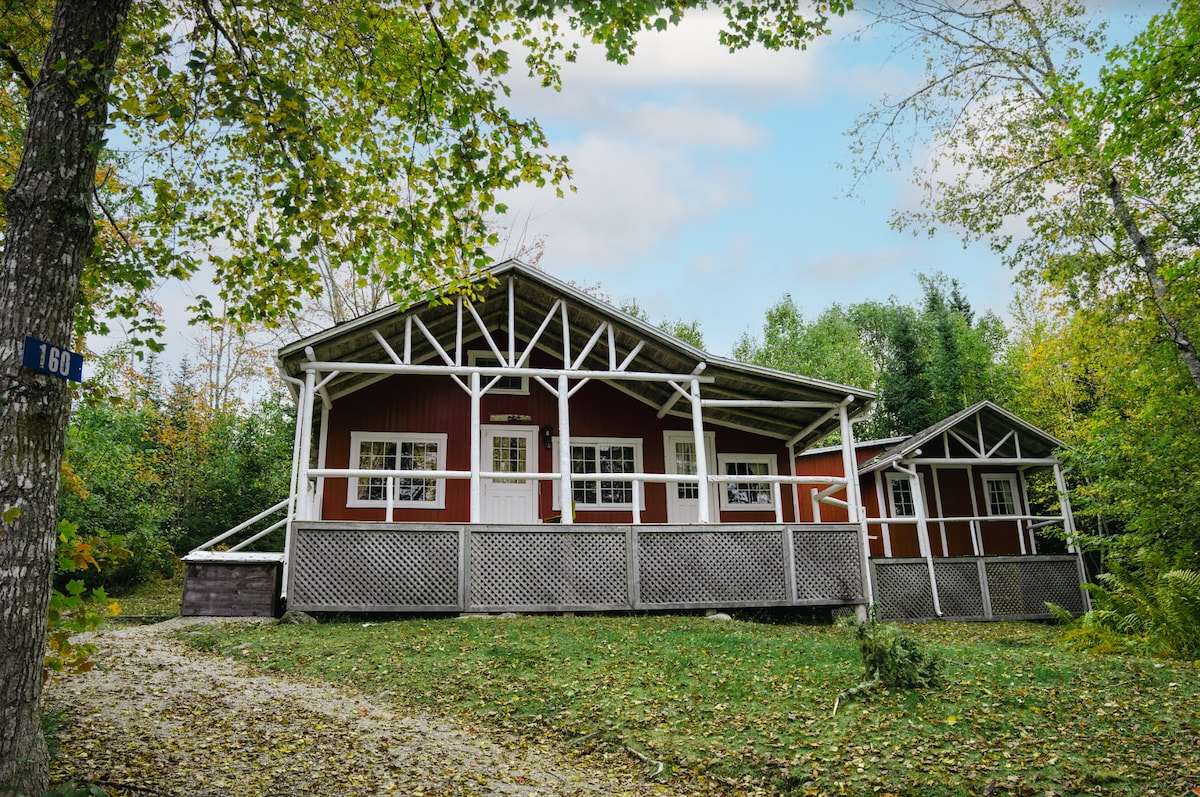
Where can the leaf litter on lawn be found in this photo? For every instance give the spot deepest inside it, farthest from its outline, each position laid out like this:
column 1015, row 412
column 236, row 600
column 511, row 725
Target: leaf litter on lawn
column 156, row 716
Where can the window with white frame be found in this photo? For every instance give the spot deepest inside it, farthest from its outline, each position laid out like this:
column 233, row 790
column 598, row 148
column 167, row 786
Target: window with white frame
column 593, row 455
column 397, row 451
column 1001, row 492
column 516, row 385
column 900, row 491
column 747, row 494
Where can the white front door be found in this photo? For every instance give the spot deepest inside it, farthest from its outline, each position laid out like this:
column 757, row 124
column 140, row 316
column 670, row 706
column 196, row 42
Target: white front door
column 683, row 501
column 509, row 449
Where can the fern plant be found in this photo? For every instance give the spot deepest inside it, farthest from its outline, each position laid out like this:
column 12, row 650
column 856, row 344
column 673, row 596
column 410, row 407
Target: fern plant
column 1147, row 603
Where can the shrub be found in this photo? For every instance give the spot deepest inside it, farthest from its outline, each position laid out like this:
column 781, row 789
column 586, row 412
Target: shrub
column 896, row 659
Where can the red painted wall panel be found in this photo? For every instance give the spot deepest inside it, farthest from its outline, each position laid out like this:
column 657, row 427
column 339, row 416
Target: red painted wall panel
column 956, row 502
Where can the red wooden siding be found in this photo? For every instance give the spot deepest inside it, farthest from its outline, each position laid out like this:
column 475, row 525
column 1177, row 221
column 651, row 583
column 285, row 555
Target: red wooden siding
column 435, row 404
column 829, row 463
column 1000, row 536
column 956, row 502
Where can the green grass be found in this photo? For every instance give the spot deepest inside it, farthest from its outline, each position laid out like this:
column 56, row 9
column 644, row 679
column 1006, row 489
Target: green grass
column 157, row 598
column 753, row 703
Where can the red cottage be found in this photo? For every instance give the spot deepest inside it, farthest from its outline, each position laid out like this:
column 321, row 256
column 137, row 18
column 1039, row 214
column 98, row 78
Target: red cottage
column 535, row 449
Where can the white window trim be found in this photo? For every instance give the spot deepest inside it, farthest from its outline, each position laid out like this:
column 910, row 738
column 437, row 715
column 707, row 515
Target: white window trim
column 473, row 357
column 723, row 487
column 891, row 478
column 1011, row 478
column 636, row 442
column 356, row 441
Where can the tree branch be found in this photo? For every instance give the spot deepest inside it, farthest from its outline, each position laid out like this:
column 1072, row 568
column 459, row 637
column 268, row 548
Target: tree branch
column 111, row 220
column 9, row 56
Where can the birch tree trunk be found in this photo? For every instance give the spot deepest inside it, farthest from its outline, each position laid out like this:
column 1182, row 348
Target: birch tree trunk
column 1152, row 268
column 46, row 243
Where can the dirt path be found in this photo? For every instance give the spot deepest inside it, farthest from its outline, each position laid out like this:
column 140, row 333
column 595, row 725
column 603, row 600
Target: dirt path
column 166, row 719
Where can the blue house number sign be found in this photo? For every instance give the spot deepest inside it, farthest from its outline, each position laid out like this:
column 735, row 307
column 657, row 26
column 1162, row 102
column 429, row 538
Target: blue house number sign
column 54, row 360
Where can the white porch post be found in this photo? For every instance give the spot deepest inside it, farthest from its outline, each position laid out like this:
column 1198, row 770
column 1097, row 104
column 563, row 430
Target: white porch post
column 304, row 418
column 296, row 445
column 322, row 449
column 1064, row 504
column 976, row 529
column 1025, row 527
column 701, row 455
column 854, row 513
column 923, row 532
column 794, row 489
column 293, row 498
column 476, row 444
column 849, row 466
column 567, row 490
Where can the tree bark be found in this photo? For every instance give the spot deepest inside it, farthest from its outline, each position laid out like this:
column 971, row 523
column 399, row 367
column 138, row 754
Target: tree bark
column 1158, row 284
column 47, row 241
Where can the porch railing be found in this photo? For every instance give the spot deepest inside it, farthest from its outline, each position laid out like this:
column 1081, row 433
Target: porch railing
column 205, row 551
column 308, row 503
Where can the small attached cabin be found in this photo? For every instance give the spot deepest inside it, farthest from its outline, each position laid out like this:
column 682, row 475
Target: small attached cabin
column 953, row 531
column 531, row 448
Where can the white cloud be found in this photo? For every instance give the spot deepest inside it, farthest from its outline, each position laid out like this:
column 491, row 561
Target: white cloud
column 632, row 197
column 687, row 59
column 690, row 55
column 689, row 125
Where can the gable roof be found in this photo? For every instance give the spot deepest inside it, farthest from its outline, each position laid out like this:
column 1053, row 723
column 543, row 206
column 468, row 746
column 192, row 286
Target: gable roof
column 535, row 295
column 985, row 419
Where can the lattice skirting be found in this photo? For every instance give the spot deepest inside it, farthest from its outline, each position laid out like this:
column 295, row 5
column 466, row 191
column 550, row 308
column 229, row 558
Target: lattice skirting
column 375, row 570
column 397, row 567
column 535, row 570
column 980, row 588
column 828, row 567
column 729, row 568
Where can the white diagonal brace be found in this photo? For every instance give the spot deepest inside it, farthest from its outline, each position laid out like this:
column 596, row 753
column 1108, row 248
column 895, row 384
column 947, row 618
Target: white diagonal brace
column 446, row 358
column 976, row 451
column 634, row 353
column 994, row 448
column 590, row 345
column 679, row 393
column 486, row 335
column 387, row 348
column 575, row 389
column 536, row 335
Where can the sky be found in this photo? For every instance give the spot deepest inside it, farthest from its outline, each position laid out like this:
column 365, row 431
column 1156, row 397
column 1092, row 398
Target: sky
column 710, row 184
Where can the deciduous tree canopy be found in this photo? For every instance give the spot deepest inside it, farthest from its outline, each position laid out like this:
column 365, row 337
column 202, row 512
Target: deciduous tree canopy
column 1097, row 171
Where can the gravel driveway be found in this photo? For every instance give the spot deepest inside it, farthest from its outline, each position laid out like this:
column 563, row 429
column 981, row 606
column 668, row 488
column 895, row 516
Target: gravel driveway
column 161, row 718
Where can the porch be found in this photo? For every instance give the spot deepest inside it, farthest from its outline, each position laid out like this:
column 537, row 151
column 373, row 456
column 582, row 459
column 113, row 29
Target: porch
column 404, row 567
